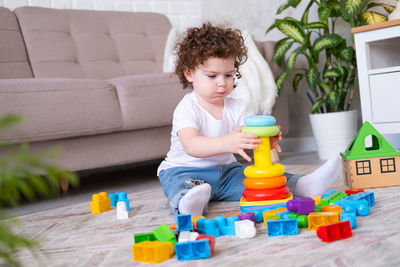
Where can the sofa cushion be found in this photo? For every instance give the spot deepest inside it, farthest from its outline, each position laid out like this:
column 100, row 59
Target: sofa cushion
column 148, row 100
column 13, row 58
column 92, row 44
column 56, row 108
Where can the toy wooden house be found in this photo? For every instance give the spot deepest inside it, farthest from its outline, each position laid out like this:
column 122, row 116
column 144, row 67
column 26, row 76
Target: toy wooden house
column 377, row 165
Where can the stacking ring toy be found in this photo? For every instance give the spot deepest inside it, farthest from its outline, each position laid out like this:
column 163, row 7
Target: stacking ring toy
column 266, row 194
column 264, row 183
column 257, row 121
column 261, row 131
column 275, row 169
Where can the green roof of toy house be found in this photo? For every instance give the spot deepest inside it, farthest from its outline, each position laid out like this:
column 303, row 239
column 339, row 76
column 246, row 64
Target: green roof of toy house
column 380, row 147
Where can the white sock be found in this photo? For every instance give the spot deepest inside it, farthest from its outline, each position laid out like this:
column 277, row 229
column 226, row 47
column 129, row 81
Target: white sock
column 317, row 182
column 194, row 201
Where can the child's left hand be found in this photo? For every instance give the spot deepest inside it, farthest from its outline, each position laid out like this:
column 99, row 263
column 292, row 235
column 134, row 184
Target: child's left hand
column 275, row 139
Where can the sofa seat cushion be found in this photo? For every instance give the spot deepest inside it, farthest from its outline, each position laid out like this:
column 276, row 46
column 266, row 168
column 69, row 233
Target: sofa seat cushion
column 58, row 108
column 147, row 100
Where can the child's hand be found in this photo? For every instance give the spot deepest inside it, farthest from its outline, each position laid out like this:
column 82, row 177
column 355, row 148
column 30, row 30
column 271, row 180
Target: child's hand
column 237, row 142
column 275, row 139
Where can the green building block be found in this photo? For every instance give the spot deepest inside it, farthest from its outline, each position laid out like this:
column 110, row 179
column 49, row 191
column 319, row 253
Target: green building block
column 317, row 208
column 144, row 237
column 302, row 220
column 163, row 233
column 332, row 198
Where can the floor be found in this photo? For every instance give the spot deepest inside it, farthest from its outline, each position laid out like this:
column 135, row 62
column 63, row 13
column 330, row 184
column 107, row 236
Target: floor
column 71, row 236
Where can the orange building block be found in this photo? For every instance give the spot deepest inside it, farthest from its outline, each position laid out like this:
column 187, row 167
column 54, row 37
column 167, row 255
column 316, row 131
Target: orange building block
column 152, row 251
column 271, row 213
column 317, row 219
column 100, row 203
column 331, row 208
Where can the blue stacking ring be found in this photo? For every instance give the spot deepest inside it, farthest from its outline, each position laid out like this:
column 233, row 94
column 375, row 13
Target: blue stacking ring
column 259, row 121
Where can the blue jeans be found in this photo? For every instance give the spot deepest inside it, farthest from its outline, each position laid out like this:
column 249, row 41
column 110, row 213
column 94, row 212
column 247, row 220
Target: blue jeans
column 226, row 182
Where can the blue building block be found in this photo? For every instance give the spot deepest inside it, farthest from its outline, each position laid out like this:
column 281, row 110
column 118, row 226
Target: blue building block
column 327, row 193
column 119, row 196
column 207, row 227
column 360, row 207
column 225, row 225
column 193, row 250
column 184, row 222
column 282, row 227
column 368, row 196
column 259, row 210
column 284, row 214
column 349, row 216
column 113, row 199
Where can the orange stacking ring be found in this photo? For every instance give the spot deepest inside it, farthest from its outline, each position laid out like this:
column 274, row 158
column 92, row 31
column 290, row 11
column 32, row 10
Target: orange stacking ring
column 264, row 183
column 266, row 194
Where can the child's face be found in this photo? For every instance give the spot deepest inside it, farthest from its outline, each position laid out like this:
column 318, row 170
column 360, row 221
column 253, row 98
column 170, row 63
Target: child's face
column 213, row 80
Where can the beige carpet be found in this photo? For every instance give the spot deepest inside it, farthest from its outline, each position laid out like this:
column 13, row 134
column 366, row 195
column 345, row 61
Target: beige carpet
column 72, row 236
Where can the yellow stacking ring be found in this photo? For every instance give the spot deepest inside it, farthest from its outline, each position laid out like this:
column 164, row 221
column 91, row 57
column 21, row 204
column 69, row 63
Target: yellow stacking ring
column 264, row 183
column 275, row 169
column 261, row 131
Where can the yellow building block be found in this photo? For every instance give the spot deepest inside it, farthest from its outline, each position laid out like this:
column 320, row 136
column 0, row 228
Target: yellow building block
column 100, row 203
column 271, row 213
column 317, row 200
column 317, row 219
column 152, row 251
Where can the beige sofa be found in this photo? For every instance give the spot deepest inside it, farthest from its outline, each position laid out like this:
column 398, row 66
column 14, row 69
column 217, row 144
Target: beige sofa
column 88, row 82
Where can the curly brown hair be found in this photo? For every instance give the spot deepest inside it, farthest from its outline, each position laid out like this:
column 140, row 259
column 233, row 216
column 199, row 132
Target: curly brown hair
column 200, row 44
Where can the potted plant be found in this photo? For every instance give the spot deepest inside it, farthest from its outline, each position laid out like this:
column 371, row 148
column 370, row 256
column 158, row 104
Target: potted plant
column 330, row 68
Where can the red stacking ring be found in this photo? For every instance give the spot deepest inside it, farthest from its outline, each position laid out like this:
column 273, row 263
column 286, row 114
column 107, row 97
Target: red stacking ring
column 266, row 194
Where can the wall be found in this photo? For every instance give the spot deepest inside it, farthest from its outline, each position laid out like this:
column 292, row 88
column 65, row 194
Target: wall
column 254, row 16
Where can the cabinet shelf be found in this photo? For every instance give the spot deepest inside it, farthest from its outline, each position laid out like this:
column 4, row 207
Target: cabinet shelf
column 384, row 70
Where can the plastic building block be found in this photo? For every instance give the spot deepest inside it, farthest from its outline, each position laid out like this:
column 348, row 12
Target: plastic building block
column 207, row 227
column 331, row 208
column 327, row 193
column 333, row 232
column 193, row 250
column 283, row 214
column 245, row 229
column 318, row 208
column 368, row 196
column 332, row 198
column 282, row 227
column 317, row 219
column 302, row 220
column 247, row 216
column 100, row 203
column 187, row 236
column 184, row 222
column 301, row 205
column 317, row 200
column 152, row 251
column 269, row 218
column 163, row 233
column 211, row 241
column 349, row 216
column 143, row 237
column 259, row 210
column 225, row 225
column 360, row 206
column 353, row 191
column 122, row 212
column 194, row 219
column 271, row 213
column 119, row 196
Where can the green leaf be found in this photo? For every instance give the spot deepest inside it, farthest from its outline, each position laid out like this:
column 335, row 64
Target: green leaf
column 274, row 25
column 10, row 120
column 323, row 14
column 371, row 17
column 280, row 81
column 287, row 4
column 315, row 25
column 352, row 8
column 326, row 41
column 346, row 54
column 280, row 49
column 312, row 77
column 293, row 30
column 334, row 6
column 291, row 62
column 332, row 73
column 317, row 105
column 388, row 8
column 325, row 86
column 296, row 81
column 333, row 98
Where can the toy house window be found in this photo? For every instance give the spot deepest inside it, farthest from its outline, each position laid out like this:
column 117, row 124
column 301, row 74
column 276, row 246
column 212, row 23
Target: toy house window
column 363, row 167
column 388, row 165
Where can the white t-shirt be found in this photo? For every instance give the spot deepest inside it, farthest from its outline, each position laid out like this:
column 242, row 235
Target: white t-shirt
column 189, row 113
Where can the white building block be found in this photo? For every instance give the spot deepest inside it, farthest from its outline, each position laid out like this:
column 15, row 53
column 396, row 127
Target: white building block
column 122, row 212
column 186, row 236
column 245, row 229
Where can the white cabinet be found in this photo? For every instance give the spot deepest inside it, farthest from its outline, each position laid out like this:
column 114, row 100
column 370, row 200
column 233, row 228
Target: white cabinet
column 378, row 63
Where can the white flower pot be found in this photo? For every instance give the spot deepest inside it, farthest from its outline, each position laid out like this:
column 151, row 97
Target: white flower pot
column 333, row 132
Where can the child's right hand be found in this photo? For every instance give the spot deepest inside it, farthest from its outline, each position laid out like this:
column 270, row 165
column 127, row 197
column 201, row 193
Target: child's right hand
column 237, row 142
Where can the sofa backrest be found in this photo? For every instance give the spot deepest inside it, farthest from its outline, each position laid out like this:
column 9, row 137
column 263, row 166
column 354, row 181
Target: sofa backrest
column 92, row 44
column 13, row 59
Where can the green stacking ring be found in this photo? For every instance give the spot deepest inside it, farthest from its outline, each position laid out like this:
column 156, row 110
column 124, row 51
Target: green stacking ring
column 261, row 131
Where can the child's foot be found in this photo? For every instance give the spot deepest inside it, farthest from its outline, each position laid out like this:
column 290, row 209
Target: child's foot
column 194, row 201
column 317, row 182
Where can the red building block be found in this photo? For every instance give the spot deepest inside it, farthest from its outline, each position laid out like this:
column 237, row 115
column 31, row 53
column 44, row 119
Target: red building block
column 211, row 240
column 335, row 231
column 353, row 191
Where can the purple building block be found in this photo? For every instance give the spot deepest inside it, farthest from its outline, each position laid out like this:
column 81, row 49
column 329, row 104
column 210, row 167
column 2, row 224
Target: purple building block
column 247, row 216
column 301, row 205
